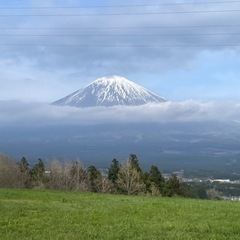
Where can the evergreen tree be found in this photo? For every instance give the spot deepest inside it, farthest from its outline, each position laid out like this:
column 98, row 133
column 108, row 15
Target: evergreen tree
column 38, row 173
column 94, row 179
column 202, row 194
column 113, row 171
column 156, row 177
column 192, row 191
column 147, row 182
column 133, row 160
column 24, row 165
column 154, row 181
column 25, row 172
column 172, row 187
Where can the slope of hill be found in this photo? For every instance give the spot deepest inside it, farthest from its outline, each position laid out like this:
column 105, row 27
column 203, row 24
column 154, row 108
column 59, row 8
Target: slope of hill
column 110, row 91
column 38, row 214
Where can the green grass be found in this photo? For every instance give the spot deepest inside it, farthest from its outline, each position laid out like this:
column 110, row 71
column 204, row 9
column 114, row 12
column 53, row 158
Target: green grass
column 42, row 214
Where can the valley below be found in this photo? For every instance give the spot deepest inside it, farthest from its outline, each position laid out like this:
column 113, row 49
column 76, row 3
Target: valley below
column 171, row 146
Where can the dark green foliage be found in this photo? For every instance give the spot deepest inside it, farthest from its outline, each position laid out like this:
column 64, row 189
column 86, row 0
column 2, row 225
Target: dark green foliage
column 201, row 193
column 156, row 177
column 134, row 162
column 154, row 181
column 39, row 168
column 125, row 179
column 193, row 191
column 172, row 187
column 113, row 171
column 25, row 172
column 147, row 181
column 94, row 179
column 38, row 174
column 24, row 166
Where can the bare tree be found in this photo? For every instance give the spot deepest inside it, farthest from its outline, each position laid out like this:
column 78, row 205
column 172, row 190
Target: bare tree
column 56, row 176
column 129, row 179
column 67, row 176
column 78, row 177
column 213, row 194
column 106, row 185
column 10, row 175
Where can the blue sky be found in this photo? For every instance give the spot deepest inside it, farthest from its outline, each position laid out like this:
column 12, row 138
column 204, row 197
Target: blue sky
column 43, row 73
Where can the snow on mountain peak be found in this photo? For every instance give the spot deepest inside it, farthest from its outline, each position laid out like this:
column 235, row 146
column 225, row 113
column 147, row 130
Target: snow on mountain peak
column 110, row 91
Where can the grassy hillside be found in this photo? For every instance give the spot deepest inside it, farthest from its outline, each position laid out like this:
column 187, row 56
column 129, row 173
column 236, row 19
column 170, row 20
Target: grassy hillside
column 37, row 214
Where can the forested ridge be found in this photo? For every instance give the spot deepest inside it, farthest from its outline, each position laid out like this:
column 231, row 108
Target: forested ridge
column 120, row 178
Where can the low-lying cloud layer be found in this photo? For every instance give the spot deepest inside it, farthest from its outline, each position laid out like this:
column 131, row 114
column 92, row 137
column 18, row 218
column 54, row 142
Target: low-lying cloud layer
column 17, row 113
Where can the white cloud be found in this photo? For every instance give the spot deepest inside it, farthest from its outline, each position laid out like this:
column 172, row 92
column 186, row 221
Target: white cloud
column 188, row 111
column 105, row 59
column 21, row 79
column 45, row 73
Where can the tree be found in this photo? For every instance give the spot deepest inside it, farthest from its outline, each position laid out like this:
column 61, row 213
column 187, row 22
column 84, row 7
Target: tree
column 94, row 179
column 10, row 175
column 55, row 177
column 67, row 176
column 59, row 177
column 213, row 194
column 133, row 160
column 202, row 194
column 129, row 179
column 78, row 177
column 25, row 172
column 172, row 187
column 154, row 181
column 156, row 177
column 190, row 190
column 113, row 171
column 106, row 185
column 147, row 182
column 23, row 165
column 38, row 174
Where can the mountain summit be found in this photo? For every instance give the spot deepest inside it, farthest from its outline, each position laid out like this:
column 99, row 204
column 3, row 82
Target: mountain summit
column 110, row 91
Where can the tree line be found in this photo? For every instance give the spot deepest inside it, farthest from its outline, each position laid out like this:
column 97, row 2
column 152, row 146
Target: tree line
column 120, row 178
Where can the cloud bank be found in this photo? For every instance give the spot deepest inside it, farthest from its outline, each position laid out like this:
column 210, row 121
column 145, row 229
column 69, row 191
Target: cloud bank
column 19, row 113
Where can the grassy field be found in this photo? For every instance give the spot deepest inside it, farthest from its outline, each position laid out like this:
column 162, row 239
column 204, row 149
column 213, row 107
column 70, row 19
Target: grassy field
column 42, row 214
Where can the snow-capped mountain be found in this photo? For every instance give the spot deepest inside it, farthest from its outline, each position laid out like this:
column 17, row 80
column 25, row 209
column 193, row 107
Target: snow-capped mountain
column 110, row 91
